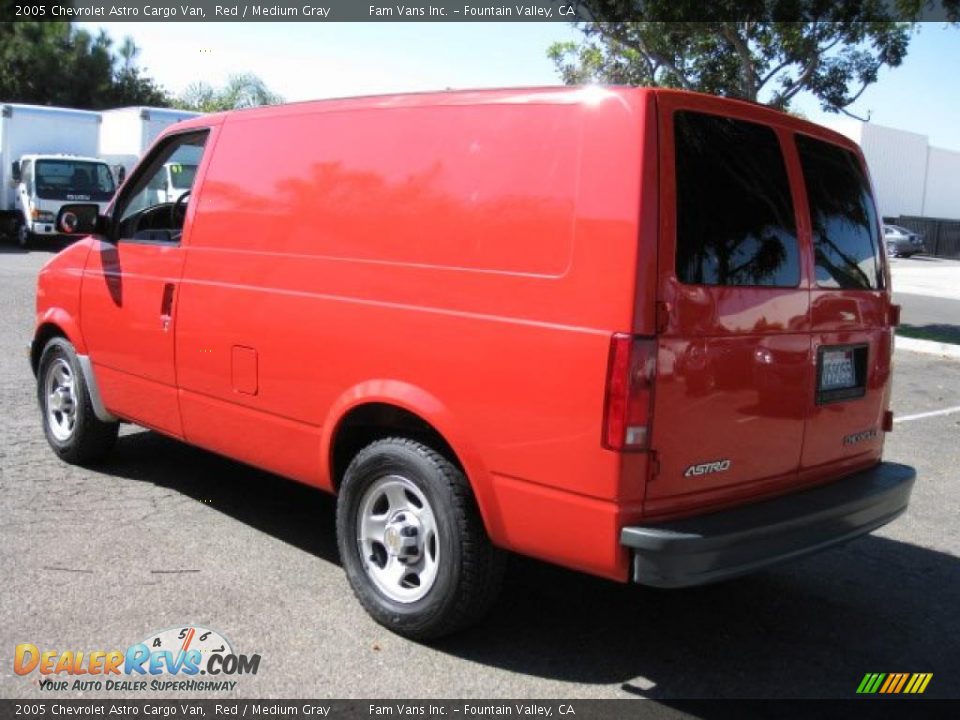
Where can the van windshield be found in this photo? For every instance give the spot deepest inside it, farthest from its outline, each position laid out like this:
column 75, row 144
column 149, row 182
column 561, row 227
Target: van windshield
column 73, row 180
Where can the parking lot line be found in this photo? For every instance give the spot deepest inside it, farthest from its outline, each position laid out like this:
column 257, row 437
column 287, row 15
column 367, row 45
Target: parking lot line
column 932, row 413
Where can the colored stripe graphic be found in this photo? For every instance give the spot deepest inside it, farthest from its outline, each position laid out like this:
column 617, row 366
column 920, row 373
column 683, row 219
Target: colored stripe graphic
column 891, row 682
column 903, row 679
column 867, row 683
column 894, row 683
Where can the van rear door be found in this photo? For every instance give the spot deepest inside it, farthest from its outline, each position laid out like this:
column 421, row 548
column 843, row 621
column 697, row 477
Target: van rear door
column 734, row 348
column 851, row 334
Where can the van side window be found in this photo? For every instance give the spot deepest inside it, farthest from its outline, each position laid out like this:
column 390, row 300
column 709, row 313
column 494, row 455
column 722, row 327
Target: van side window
column 735, row 221
column 843, row 217
column 153, row 208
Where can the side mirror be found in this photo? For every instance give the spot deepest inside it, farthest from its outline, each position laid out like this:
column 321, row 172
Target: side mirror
column 15, row 171
column 121, row 174
column 82, row 220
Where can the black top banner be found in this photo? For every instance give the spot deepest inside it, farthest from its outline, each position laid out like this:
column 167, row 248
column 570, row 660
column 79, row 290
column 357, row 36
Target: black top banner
column 479, row 10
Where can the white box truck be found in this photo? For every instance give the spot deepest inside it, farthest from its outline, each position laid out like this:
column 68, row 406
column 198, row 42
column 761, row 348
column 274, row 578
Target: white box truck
column 48, row 159
column 127, row 133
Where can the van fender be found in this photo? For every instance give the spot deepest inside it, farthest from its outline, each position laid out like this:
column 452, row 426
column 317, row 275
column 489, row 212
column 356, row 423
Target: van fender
column 431, row 410
column 63, row 321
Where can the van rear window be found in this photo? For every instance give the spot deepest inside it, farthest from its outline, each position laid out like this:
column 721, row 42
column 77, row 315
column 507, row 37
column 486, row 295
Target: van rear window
column 842, row 215
column 735, row 220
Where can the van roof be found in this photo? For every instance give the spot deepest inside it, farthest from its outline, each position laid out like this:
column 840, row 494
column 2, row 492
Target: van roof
column 556, row 94
column 550, row 94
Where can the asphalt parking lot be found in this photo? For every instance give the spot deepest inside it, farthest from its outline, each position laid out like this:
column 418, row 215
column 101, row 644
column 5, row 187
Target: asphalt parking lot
column 165, row 535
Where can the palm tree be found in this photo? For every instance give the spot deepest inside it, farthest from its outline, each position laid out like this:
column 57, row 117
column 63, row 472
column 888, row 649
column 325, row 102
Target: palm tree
column 241, row 91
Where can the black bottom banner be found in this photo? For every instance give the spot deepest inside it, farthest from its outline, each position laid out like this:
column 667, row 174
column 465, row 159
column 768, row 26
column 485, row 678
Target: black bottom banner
column 472, row 709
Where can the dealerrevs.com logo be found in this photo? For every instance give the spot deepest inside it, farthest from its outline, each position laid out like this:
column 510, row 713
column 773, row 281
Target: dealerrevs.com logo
column 190, row 658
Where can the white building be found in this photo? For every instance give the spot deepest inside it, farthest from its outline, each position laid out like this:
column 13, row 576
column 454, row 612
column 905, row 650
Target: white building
column 910, row 176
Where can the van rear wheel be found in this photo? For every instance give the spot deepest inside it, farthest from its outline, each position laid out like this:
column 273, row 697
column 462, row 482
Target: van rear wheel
column 72, row 428
column 412, row 541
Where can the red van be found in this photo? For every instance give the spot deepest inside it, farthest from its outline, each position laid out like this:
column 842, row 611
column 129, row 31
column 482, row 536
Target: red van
column 641, row 333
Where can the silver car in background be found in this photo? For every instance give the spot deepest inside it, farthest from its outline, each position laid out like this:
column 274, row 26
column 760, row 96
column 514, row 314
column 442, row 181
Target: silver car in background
column 902, row 242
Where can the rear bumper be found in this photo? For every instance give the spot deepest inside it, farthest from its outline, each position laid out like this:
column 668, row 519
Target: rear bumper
column 721, row 545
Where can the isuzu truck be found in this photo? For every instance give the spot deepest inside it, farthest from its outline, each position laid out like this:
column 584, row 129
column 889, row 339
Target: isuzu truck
column 48, row 159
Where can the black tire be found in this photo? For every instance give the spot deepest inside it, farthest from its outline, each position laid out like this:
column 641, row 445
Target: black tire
column 91, row 439
column 25, row 238
column 9, row 224
column 469, row 569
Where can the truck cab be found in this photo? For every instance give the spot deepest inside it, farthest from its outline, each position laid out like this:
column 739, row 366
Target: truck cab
column 45, row 183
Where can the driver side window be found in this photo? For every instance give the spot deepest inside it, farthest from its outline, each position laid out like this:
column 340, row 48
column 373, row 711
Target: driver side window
column 154, row 207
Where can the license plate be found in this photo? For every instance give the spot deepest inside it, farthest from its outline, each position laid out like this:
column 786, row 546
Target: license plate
column 841, row 373
column 838, row 371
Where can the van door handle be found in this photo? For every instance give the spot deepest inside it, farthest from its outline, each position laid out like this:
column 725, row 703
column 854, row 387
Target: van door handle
column 166, row 306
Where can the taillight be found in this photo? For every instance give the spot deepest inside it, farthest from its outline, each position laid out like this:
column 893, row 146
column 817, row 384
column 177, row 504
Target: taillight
column 628, row 406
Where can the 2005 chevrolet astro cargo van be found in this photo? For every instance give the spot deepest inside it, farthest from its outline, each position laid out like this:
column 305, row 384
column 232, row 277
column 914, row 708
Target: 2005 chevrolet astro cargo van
column 641, row 333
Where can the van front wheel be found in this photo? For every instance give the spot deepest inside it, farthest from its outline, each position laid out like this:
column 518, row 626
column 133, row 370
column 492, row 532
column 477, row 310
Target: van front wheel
column 412, row 541
column 72, row 428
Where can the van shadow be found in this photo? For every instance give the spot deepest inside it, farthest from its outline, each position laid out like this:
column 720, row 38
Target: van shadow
column 812, row 628
column 808, row 629
column 282, row 508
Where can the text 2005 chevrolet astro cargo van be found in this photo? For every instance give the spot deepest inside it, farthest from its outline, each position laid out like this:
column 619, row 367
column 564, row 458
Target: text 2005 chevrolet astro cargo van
column 641, row 333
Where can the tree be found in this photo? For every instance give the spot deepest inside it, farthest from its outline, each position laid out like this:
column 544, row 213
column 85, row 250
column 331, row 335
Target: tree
column 54, row 63
column 241, row 91
column 834, row 54
column 132, row 87
column 128, row 52
column 31, row 57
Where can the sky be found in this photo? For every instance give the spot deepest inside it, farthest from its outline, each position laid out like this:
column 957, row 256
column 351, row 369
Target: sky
column 303, row 61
